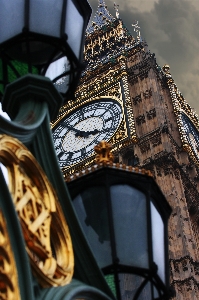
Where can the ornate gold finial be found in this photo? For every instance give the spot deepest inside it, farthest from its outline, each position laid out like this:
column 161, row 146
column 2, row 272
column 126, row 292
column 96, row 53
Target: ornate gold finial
column 103, row 152
column 166, row 69
column 116, row 7
column 136, row 28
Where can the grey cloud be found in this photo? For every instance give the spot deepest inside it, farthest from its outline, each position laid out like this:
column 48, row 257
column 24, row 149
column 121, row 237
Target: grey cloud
column 170, row 28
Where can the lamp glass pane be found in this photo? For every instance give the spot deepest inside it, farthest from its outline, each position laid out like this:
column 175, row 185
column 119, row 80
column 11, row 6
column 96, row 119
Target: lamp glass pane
column 146, row 293
column 91, row 209
column 110, row 279
column 74, row 27
column 5, row 173
column 57, row 68
column 158, row 241
column 45, row 16
column 130, row 283
column 130, row 225
column 11, row 18
column 19, row 67
column 155, row 292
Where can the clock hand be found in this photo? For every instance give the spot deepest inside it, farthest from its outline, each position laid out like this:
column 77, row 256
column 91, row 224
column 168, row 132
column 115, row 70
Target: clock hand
column 77, row 131
column 95, row 131
column 69, row 127
column 86, row 133
column 80, row 133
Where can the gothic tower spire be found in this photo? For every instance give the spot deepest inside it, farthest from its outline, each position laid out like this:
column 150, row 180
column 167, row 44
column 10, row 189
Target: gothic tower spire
column 101, row 17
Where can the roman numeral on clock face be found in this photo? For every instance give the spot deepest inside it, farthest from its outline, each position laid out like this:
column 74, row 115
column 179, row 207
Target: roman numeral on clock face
column 81, row 115
column 83, row 151
column 60, row 155
column 109, row 119
column 64, row 156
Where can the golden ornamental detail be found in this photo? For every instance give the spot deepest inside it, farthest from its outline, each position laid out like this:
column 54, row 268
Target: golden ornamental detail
column 101, row 85
column 46, row 233
column 166, row 69
column 180, row 106
column 129, row 110
column 179, row 102
column 103, row 150
column 9, row 288
column 120, row 134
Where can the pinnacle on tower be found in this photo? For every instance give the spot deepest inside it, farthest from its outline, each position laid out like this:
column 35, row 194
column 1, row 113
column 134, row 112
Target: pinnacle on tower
column 101, row 17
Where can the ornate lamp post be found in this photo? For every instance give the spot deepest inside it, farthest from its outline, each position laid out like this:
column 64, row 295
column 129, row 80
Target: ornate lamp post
column 43, row 37
column 124, row 216
column 36, row 37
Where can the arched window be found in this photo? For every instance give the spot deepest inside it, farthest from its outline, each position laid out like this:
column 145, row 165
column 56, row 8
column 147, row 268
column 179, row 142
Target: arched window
column 130, row 159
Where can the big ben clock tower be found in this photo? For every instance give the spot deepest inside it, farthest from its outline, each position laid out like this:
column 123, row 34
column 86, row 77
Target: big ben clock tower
column 125, row 98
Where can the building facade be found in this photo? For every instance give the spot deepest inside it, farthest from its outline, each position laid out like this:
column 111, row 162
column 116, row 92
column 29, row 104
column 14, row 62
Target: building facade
column 125, row 98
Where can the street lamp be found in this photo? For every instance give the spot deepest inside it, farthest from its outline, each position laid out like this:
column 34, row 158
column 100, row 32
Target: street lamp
column 43, row 37
column 124, row 216
column 36, row 37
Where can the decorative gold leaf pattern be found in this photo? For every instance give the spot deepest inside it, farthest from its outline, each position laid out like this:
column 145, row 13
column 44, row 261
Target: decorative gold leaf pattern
column 9, row 288
column 46, row 233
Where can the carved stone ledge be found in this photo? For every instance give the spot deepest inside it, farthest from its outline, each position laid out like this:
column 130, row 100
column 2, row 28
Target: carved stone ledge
column 156, row 140
column 144, row 147
column 144, row 75
column 160, row 154
column 148, row 161
column 150, row 135
column 133, row 79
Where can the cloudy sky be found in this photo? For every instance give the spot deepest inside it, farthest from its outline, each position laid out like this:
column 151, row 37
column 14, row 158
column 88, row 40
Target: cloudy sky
column 171, row 29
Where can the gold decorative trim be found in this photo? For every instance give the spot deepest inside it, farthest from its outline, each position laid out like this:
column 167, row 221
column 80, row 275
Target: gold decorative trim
column 111, row 84
column 103, row 150
column 9, row 287
column 181, row 106
column 46, row 233
column 129, row 108
column 108, row 164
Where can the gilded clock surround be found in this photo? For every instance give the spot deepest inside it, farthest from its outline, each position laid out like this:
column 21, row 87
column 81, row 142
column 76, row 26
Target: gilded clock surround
column 112, row 85
column 181, row 107
column 46, row 233
column 108, row 46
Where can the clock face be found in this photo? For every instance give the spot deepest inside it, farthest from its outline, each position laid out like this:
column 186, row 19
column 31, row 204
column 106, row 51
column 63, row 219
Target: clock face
column 192, row 134
column 76, row 135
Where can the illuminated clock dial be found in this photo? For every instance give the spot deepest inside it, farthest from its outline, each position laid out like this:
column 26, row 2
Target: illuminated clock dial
column 192, row 135
column 76, row 135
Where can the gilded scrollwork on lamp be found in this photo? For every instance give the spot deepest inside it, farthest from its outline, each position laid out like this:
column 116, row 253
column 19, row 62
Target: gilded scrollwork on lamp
column 45, row 231
column 9, row 286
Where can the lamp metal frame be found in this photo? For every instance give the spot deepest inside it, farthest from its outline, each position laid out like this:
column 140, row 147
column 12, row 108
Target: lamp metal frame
column 60, row 45
column 112, row 176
